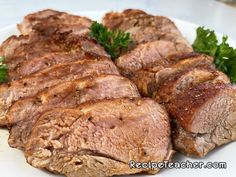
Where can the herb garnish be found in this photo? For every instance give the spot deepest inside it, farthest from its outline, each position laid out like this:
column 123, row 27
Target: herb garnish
column 225, row 56
column 114, row 42
column 3, row 70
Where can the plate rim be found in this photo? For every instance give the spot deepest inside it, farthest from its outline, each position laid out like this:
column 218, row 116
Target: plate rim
column 13, row 27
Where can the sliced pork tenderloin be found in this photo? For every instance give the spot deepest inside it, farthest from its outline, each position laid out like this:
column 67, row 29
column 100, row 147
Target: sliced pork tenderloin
column 183, row 80
column 203, row 118
column 34, row 18
column 141, row 63
column 123, row 20
column 157, row 53
column 50, row 18
column 101, row 138
column 24, row 113
column 33, row 84
column 29, row 54
column 184, row 63
column 38, row 64
column 149, row 72
column 144, row 27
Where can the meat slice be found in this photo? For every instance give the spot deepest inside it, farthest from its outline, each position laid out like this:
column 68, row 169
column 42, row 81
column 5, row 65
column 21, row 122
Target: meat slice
column 25, row 112
column 34, row 18
column 9, row 46
column 29, row 54
column 144, row 27
column 157, row 53
column 149, row 72
column 46, row 19
column 31, row 85
column 183, row 80
column 204, row 117
column 124, row 20
column 141, row 63
column 101, row 138
column 38, row 64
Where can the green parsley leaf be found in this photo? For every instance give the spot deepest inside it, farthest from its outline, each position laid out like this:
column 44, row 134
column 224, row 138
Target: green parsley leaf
column 114, row 42
column 224, row 55
column 206, row 41
column 3, row 70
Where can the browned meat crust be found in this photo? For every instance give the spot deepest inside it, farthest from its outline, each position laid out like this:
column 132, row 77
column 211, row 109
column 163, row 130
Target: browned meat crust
column 29, row 54
column 183, row 80
column 51, row 20
column 145, row 27
column 204, row 118
column 149, row 74
column 31, row 85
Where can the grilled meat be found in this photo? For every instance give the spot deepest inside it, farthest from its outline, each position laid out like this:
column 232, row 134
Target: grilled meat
column 144, row 27
column 203, row 118
column 157, row 53
column 183, row 80
column 149, row 72
column 100, row 138
column 33, row 84
column 24, row 113
column 51, row 20
column 30, row 54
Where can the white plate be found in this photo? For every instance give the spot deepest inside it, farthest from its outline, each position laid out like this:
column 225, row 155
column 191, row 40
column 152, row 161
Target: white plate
column 13, row 164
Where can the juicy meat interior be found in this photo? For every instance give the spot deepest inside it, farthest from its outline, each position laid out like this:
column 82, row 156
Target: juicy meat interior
column 23, row 114
column 100, row 139
column 33, row 84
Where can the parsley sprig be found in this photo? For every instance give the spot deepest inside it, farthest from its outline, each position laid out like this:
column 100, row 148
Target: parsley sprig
column 3, row 70
column 114, row 42
column 225, row 55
